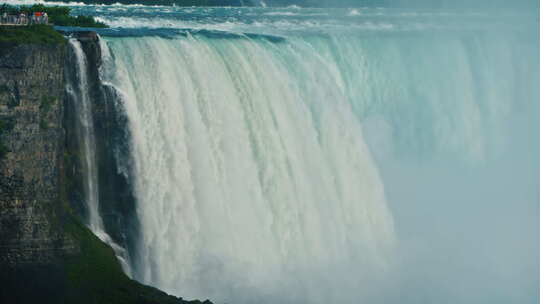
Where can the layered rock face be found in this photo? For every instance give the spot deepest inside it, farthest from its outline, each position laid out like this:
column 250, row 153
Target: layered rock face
column 32, row 240
column 32, row 135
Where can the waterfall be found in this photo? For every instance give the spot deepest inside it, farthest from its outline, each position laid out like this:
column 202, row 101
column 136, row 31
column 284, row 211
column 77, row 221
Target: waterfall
column 253, row 180
column 309, row 156
column 265, row 164
column 259, row 163
column 78, row 89
column 87, row 139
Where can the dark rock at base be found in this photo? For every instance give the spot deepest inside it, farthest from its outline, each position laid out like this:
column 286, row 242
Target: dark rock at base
column 86, row 36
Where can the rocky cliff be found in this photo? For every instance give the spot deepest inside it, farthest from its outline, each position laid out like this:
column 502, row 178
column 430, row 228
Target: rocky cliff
column 47, row 255
column 32, row 136
column 117, row 204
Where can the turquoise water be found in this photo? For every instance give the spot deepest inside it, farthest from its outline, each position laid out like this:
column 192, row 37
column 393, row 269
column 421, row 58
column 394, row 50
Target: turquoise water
column 296, row 20
column 361, row 155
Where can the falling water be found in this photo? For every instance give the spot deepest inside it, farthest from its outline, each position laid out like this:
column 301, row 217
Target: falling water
column 311, row 156
column 87, row 139
column 87, row 142
column 246, row 173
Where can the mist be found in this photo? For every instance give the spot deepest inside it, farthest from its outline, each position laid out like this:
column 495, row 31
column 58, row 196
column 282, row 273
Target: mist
column 462, row 181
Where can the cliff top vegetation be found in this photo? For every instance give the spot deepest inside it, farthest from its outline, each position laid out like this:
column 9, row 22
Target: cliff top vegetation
column 38, row 33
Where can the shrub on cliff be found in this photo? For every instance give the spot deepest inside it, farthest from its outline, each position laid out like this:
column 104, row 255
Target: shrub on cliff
column 39, row 33
column 79, row 21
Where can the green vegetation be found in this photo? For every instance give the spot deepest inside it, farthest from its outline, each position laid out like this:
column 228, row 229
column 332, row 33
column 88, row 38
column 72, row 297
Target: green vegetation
column 95, row 272
column 39, row 33
column 95, row 275
column 58, row 15
column 80, row 21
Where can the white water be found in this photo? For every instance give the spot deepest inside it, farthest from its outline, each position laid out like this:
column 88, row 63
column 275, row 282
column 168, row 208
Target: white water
column 251, row 182
column 87, row 139
column 265, row 171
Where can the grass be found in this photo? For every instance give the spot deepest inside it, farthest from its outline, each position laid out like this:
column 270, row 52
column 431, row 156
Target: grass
column 95, row 275
column 36, row 34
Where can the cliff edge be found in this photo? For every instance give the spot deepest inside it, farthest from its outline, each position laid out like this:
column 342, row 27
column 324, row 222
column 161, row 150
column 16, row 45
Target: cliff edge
column 46, row 254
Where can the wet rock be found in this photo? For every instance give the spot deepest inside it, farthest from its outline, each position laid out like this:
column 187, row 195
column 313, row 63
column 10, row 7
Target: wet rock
column 86, row 36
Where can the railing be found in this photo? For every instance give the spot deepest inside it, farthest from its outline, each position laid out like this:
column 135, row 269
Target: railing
column 23, row 19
